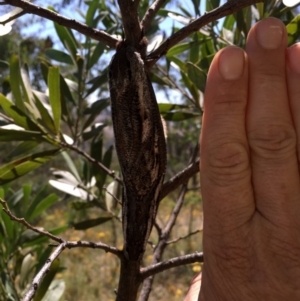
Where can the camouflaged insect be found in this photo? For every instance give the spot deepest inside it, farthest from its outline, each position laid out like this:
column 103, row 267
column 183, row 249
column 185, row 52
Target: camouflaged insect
column 140, row 145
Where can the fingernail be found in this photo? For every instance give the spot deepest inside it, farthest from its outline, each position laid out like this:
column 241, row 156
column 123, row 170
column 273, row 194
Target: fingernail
column 269, row 33
column 294, row 57
column 231, row 63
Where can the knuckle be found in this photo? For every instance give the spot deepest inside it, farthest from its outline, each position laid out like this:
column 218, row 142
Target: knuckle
column 273, row 141
column 227, row 163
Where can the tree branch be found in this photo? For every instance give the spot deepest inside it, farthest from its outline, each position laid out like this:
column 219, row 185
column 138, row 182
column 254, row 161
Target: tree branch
column 180, row 178
column 131, row 23
column 151, row 13
column 171, row 263
column 224, row 10
column 93, row 33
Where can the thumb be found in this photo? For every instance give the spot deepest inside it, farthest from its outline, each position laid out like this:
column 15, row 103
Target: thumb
column 193, row 292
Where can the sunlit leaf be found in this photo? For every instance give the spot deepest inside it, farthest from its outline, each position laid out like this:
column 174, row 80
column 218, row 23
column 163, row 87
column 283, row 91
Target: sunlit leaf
column 46, row 119
column 19, row 117
column 71, row 165
column 23, row 165
column 67, row 38
column 19, row 135
column 290, row 3
column 15, row 82
column 111, row 196
column 7, row 27
column 166, row 107
column 54, row 95
column 293, row 30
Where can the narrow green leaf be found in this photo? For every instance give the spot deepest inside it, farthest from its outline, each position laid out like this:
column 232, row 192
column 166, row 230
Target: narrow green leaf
column 179, row 49
column 59, row 56
column 22, row 166
column 196, row 4
column 97, row 52
column 179, row 116
column 91, row 223
column 46, row 119
column 178, row 62
column 194, row 54
column 19, row 135
column 97, row 82
column 81, row 205
column 19, row 117
column 167, row 107
column 66, row 94
column 54, row 95
column 93, row 131
column 23, row 148
column 197, row 76
column 43, row 205
column 15, row 82
column 93, row 5
column 293, row 30
column 164, row 81
column 71, row 165
column 190, row 86
column 67, row 38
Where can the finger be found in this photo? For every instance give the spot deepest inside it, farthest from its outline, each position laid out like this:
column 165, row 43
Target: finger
column 271, row 134
column 193, row 292
column 225, row 170
column 293, row 80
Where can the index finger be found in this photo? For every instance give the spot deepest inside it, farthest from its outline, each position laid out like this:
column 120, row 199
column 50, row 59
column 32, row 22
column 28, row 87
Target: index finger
column 225, row 168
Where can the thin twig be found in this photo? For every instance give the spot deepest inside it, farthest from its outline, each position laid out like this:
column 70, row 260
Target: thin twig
column 180, row 89
column 68, row 244
column 222, row 11
column 41, row 274
column 180, row 178
column 183, row 237
column 92, row 245
column 115, row 198
column 93, row 33
column 111, row 173
column 151, row 13
column 27, row 225
column 171, row 263
column 7, row 118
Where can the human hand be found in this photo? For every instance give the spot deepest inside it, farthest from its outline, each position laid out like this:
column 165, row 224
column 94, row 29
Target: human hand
column 250, row 176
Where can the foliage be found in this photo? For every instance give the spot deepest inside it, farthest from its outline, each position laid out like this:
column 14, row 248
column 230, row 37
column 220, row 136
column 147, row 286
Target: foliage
column 66, row 120
column 20, row 246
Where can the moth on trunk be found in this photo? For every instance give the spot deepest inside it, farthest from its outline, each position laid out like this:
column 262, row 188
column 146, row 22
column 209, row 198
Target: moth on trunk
column 140, row 145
